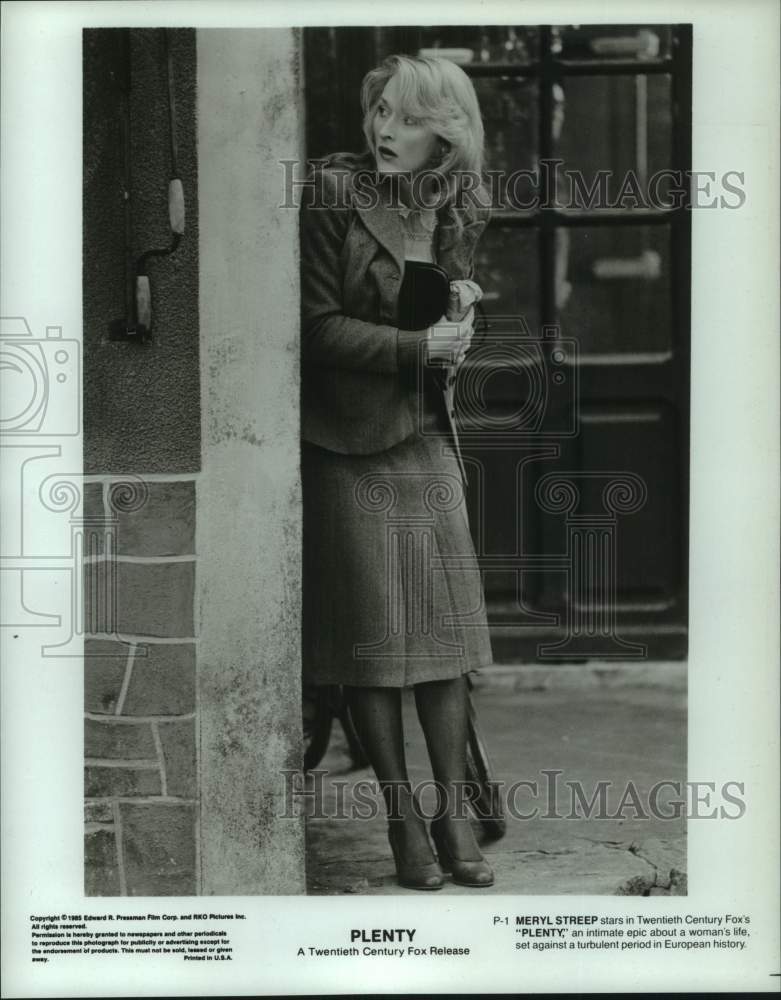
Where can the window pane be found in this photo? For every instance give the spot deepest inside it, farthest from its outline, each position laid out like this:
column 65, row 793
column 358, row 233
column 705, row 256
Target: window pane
column 611, row 41
column 507, row 269
column 509, row 107
column 482, row 43
column 621, row 124
column 619, row 289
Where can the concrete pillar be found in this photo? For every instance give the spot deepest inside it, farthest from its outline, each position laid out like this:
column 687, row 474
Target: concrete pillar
column 248, row 527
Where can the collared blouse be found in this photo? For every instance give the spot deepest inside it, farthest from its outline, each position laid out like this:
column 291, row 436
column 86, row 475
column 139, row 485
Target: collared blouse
column 417, row 226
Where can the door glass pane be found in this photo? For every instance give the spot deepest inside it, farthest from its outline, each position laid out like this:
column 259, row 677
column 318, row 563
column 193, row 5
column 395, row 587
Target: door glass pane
column 481, row 43
column 620, row 124
column 507, row 269
column 611, row 41
column 509, row 106
column 617, row 295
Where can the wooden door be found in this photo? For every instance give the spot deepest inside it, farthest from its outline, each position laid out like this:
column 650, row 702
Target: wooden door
column 573, row 405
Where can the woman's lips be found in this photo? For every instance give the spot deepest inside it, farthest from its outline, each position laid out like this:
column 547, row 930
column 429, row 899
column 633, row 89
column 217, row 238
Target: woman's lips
column 385, row 153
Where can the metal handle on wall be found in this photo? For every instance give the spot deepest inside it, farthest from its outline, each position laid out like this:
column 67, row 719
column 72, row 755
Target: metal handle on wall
column 176, row 206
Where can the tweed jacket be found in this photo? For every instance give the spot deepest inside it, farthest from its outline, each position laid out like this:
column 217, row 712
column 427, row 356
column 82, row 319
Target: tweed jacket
column 359, row 393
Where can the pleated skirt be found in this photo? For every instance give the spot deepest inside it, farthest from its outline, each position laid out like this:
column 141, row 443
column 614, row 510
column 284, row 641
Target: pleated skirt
column 392, row 593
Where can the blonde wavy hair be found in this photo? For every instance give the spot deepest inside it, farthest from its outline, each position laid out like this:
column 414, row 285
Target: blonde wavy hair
column 441, row 95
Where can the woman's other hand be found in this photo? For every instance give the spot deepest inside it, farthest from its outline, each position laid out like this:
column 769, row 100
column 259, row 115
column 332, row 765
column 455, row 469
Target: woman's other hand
column 448, row 340
column 463, row 294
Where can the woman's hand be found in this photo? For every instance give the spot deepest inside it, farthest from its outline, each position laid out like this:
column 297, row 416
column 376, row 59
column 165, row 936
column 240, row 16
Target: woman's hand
column 463, row 293
column 448, row 340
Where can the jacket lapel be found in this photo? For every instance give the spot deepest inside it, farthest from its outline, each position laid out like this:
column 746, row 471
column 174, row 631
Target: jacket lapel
column 383, row 223
column 453, row 247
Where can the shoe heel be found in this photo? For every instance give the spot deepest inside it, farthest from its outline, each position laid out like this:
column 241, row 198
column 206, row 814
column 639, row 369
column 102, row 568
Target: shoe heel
column 477, row 874
column 427, row 875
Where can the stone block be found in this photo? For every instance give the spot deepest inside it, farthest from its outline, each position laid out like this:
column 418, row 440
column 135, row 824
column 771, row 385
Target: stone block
column 100, row 782
column 152, row 599
column 101, row 868
column 119, row 740
column 164, row 523
column 159, row 849
column 98, row 812
column 104, row 670
column 162, row 681
column 178, row 741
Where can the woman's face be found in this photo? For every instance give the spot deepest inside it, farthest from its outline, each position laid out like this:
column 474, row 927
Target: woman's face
column 401, row 143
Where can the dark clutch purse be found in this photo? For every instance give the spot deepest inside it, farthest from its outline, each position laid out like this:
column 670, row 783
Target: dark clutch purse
column 423, row 299
column 423, row 295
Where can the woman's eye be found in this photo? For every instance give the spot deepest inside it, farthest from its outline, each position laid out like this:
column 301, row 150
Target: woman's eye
column 409, row 120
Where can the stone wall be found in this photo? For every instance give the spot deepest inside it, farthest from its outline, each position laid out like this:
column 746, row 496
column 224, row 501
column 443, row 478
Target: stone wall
column 191, row 503
column 142, row 427
column 140, row 694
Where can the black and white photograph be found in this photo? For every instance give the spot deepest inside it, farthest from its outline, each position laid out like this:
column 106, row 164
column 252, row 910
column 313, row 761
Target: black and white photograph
column 494, row 234
column 389, row 504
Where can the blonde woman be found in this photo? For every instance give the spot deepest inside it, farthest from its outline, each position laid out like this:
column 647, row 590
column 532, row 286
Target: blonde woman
column 392, row 591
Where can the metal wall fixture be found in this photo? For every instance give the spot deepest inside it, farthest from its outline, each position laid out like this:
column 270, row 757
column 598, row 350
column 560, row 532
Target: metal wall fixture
column 137, row 323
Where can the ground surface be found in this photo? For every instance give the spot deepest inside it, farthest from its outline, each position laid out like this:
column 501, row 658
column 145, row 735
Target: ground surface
column 632, row 737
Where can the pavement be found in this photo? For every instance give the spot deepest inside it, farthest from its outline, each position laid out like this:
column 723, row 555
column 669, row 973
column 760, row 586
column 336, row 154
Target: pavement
column 595, row 739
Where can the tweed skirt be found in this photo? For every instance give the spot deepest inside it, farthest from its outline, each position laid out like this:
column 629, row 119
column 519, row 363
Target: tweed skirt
column 392, row 593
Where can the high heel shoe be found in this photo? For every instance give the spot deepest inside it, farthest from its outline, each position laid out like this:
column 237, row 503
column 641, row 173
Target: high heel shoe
column 427, row 875
column 472, row 873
